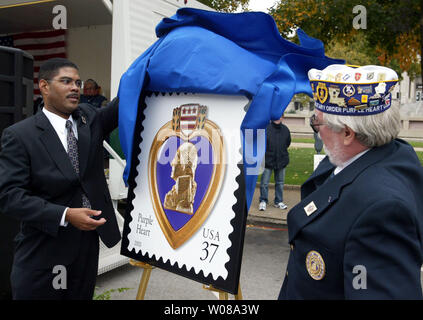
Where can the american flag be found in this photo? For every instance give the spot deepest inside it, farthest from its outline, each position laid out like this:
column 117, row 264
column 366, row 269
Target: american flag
column 189, row 115
column 42, row 45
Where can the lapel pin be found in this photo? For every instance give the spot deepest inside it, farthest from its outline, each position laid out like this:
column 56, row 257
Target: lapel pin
column 84, row 121
column 310, row 208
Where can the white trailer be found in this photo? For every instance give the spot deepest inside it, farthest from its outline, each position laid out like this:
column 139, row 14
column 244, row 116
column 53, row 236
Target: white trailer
column 103, row 37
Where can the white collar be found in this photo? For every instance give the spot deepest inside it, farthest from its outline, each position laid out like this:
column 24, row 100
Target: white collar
column 338, row 169
column 59, row 123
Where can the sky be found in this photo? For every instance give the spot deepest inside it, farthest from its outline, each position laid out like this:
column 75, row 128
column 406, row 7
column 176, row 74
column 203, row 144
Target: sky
column 260, row 5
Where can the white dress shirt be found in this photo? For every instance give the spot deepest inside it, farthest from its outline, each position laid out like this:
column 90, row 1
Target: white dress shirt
column 59, row 125
column 338, row 169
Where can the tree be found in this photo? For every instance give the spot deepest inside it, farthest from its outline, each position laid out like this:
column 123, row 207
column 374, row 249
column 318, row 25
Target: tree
column 391, row 30
column 226, row 5
column 355, row 52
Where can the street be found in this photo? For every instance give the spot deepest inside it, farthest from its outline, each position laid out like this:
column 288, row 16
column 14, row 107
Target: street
column 263, row 266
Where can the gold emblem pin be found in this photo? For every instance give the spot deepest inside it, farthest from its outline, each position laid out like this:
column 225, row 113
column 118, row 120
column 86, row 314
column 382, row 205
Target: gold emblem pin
column 315, row 265
column 310, row 208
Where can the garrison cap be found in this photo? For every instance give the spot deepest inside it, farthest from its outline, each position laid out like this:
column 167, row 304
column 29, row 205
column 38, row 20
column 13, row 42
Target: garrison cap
column 352, row 91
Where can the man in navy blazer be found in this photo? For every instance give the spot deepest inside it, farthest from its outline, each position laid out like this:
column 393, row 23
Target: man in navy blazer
column 52, row 180
column 357, row 232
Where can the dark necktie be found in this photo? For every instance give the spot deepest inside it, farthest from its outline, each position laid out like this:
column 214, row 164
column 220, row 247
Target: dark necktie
column 330, row 177
column 327, row 179
column 73, row 156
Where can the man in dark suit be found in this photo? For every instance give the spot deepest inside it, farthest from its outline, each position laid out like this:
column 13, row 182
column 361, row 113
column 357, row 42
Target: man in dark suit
column 52, row 180
column 358, row 231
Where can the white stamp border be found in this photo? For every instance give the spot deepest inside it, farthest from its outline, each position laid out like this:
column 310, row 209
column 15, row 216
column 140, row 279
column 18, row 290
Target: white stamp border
column 227, row 112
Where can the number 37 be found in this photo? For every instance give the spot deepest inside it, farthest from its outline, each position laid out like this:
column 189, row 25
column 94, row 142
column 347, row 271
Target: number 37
column 207, row 249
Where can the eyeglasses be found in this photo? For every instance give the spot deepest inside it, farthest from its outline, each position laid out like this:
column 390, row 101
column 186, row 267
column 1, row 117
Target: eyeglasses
column 68, row 82
column 314, row 123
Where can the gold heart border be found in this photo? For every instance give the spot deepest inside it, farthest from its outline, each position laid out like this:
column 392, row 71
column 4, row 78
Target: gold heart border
column 212, row 132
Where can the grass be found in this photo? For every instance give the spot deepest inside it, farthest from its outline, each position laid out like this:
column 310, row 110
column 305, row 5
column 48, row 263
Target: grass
column 106, row 295
column 300, row 165
column 303, row 140
column 420, row 156
column 415, row 144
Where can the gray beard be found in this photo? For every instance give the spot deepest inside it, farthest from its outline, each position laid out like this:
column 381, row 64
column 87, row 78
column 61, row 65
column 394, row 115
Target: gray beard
column 334, row 155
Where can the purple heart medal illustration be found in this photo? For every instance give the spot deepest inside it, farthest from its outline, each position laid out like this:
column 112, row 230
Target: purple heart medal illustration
column 185, row 184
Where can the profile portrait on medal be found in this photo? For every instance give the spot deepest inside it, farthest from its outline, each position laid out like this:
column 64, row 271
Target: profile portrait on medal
column 186, row 170
column 181, row 196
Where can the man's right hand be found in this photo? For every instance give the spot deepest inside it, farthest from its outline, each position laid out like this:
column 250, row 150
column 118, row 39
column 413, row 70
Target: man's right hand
column 81, row 218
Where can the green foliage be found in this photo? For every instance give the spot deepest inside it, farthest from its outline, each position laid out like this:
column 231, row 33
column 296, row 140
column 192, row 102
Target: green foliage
column 392, row 36
column 106, row 295
column 226, row 5
column 355, row 52
column 303, row 99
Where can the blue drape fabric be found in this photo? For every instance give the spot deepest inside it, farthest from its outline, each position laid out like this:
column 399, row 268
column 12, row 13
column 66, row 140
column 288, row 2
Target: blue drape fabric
column 201, row 51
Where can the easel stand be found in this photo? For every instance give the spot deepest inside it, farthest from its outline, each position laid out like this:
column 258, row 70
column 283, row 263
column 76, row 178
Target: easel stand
column 223, row 295
column 144, row 279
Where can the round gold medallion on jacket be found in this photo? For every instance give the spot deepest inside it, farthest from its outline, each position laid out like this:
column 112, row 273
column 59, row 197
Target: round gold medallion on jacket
column 315, row 265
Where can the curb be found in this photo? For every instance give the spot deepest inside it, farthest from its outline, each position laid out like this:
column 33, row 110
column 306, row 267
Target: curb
column 273, row 216
column 252, row 219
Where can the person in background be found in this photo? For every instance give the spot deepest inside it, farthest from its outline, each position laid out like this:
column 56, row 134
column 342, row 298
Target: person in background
column 92, row 94
column 357, row 232
column 278, row 139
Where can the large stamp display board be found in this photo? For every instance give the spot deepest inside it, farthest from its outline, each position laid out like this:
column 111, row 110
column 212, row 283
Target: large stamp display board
column 186, row 208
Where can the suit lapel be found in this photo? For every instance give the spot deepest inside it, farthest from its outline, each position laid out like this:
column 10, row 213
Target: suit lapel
column 318, row 201
column 314, row 205
column 317, row 178
column 84, row 141
column 54, row 147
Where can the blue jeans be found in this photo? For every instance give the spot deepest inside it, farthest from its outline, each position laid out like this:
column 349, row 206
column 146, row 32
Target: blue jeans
column 279, row 181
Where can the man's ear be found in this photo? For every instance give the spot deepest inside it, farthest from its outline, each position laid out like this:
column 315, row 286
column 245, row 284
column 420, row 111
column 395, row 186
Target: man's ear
column 349, row 136
column 44, row 87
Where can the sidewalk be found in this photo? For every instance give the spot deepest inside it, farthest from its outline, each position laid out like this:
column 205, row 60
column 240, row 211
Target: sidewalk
column 291, row 196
